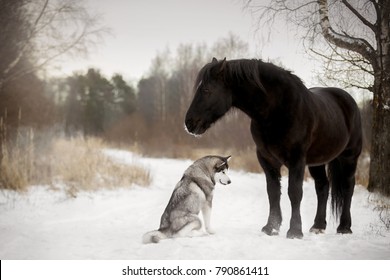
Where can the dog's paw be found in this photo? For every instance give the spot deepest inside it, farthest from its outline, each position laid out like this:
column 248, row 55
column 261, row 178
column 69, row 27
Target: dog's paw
column 210, row 231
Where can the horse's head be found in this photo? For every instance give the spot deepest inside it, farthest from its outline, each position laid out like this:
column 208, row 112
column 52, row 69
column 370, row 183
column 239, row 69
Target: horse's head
column 212, row 98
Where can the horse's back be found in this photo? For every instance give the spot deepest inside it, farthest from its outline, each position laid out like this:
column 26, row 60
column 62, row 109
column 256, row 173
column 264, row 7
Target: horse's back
column 339, row 123
column 336, row 95
column 332, row 99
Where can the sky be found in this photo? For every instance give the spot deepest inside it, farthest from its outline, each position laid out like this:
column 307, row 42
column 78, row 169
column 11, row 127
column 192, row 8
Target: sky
column 142, row 28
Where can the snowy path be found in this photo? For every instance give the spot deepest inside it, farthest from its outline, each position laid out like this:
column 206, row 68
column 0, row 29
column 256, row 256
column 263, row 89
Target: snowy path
column 45, row 224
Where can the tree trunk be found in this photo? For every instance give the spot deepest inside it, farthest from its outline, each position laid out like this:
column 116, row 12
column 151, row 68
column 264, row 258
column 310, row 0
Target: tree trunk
column 380, row 145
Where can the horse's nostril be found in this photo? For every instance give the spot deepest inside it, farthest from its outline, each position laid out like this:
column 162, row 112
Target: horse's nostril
column 191, row 123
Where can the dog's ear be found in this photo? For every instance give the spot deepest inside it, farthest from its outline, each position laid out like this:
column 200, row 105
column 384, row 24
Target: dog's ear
column 226, row 159
column 220, row 165
column 224, row 164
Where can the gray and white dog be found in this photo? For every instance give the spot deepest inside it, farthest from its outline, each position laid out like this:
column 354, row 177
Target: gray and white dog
column 192, row 194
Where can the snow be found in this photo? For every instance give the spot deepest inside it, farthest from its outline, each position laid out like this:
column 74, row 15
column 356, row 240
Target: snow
column 109, row 224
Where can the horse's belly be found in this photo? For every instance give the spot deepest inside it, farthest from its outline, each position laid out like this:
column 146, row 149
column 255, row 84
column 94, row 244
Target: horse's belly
column 325, row 150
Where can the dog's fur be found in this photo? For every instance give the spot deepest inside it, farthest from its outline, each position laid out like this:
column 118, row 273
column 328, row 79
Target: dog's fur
column 192, row 194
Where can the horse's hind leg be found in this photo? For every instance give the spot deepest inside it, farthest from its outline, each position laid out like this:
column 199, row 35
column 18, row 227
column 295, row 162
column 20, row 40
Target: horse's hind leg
column 322, row 189
column 342, row 176
column 349, row 168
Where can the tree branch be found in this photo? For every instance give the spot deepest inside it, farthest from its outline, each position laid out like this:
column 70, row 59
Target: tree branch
column 60, row 52
column 47, row 39
column 357, row 62
column 27, row 41
column 359, row 16
column 358, row 45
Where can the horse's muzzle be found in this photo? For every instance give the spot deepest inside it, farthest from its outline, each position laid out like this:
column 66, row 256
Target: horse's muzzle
column 194, row 127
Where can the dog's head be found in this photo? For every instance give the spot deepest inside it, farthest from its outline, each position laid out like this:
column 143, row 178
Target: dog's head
column 220, row 169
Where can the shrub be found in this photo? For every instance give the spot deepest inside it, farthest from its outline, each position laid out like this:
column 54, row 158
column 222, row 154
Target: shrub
column 78, row 164
column 82, row 165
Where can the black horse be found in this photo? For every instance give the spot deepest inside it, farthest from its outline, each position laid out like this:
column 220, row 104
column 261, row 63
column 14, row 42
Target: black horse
column 290, row 125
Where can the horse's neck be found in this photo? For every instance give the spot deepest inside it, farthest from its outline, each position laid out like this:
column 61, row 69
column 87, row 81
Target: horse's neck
column 261, row 105
column 260, row 98
column 252, row 102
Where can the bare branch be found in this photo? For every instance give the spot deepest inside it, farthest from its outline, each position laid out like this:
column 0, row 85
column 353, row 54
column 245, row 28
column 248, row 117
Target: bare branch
column 40, row 14
column 338, row 57
column 343, row 41
column 28, row 40
column 36, row 67
column 267, row 14
column 46, row 38
column 63, row 50
column 359, row 16
column 348, row 57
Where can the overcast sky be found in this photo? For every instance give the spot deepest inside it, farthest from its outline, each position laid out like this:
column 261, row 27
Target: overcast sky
column 141, row 28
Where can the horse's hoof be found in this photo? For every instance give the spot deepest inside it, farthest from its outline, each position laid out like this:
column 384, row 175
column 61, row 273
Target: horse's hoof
column 344, row 230
column 294, row 233
column 270, row 231
column 317, row 230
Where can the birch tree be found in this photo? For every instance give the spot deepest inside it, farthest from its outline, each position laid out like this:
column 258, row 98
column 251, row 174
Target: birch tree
column 356, row 35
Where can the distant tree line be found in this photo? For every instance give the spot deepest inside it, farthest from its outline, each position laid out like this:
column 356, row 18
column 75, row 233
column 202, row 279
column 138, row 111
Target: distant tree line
column 150, row 112
column 91, row 102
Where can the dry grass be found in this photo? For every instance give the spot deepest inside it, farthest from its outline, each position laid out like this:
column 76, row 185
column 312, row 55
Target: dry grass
column 77, row 164
column 82, row 165
column 362, row 169
column 16, row 161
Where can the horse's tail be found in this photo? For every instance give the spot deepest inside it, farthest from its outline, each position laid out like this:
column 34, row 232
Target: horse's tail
column 338, row 185
column 153, row 237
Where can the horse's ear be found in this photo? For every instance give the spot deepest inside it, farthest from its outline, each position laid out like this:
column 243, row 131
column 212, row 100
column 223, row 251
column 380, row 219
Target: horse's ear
column 218, row 66
column 223, row 65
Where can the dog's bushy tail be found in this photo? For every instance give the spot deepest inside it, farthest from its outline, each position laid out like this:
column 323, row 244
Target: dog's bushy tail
column 153, row 237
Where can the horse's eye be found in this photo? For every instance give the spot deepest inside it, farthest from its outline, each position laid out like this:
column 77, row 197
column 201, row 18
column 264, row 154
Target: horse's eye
column 206, row 90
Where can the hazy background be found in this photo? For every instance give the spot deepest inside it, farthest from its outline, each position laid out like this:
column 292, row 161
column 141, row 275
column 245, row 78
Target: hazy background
column 140, row 29
column 122, row 73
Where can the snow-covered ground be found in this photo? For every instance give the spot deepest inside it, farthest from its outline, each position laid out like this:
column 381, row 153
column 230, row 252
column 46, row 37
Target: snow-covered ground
column 109, row 224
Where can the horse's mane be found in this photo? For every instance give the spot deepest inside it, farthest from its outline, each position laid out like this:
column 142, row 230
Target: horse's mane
column 252, row 71
column 258, row 72
column 244, row 70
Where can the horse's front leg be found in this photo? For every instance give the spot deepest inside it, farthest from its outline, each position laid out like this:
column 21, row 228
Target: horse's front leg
column 272, row 174
column 295, row 182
